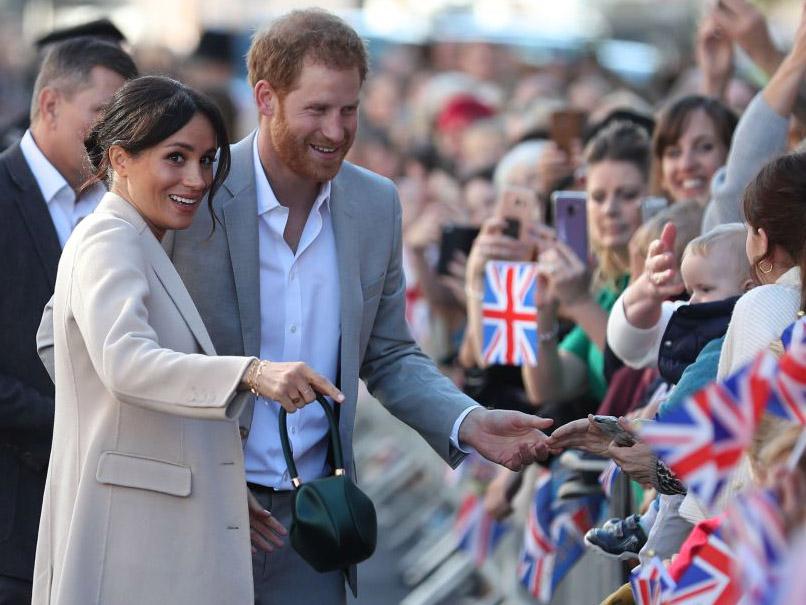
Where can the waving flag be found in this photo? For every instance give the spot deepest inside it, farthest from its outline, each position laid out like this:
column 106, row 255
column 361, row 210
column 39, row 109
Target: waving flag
column 651, row 584
column 703, row 439
column 705, row 573
column 537, row 558
column 509, row 315
column 478, row 533
column 554, row 538
column 754, row 529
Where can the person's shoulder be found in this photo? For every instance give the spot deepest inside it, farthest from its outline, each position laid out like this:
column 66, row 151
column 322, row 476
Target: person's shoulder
column 11, row 160
column 767, row 299
column 351, row 175
column 100, row 227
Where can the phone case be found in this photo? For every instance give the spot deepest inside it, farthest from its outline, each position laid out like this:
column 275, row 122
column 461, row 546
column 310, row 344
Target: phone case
column 571, row 221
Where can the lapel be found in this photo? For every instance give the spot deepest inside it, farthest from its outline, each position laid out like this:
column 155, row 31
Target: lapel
column 345, row 215
column 35, row 213
column 241, row 225
column 163, row 268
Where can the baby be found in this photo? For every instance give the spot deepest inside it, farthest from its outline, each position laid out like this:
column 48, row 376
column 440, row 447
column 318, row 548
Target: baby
column 714, row 268
column 646, row 329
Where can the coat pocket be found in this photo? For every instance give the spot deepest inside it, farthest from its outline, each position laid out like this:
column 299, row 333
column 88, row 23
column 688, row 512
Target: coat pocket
column 131, row 470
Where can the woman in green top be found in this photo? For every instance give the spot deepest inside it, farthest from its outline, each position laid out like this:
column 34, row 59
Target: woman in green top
column 617, row 178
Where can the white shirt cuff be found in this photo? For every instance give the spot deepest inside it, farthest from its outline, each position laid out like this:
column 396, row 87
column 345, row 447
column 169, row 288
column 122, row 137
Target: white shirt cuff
column 455, row 431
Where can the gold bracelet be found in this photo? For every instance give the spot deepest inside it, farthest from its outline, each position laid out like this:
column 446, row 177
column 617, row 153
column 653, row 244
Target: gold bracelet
column 255, row 376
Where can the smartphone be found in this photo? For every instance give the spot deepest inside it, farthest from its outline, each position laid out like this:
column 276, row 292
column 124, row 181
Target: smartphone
column 652, row 206
column 518, row 206
column 454, row 238
column 611, row 427
column 571, row 221
column 565, row 126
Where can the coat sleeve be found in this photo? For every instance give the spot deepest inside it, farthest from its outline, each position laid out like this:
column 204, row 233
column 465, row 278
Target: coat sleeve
column 760, row 136
column 636, row 347
column 108, row 295
column 399, row 374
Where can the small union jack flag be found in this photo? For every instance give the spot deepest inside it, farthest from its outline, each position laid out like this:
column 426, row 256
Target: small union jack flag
column 554, row 538
column 703, row 439
column 509, row 315
column 477, row 532
column 754, row 528
column 707, row 578
column 537, row 558
column 651, row 583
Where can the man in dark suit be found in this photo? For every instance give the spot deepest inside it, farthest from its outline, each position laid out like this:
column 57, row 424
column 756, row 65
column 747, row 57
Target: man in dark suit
column 40, row 204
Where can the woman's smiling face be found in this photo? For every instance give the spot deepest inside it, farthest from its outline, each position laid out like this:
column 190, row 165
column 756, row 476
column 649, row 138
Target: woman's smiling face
column 688, row 164
column 167, row 182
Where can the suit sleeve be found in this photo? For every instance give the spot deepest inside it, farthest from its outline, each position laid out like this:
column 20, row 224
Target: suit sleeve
column 109, row 290
column 399, row 374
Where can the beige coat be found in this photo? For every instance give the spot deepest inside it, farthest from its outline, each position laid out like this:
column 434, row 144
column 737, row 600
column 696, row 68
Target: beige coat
column 145, row 500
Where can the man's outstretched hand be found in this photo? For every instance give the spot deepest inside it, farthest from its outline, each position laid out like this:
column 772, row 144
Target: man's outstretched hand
column 509, row 438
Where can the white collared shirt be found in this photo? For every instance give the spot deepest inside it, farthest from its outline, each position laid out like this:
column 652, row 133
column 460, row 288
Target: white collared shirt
column 65, row 210
column 299, row 321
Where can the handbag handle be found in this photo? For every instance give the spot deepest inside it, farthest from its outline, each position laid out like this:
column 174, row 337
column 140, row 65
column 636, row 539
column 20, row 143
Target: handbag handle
column 335, row 443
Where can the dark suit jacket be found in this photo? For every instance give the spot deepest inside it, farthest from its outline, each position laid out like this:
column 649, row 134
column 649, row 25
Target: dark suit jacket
column 29, row 255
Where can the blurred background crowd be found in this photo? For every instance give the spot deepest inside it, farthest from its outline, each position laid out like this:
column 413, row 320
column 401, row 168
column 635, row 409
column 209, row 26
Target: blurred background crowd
column 659, row 112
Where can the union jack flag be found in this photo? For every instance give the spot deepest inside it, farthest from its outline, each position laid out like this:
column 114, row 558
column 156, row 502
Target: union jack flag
column 554, row 538
column 789, row 387
column 477, row 532
column 651, row 583
column 707, row 579
column 702, row 440
column 754, row 529
column 509, row 315
column 537, row 559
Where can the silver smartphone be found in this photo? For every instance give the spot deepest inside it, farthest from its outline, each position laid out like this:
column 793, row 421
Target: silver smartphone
column 610, row 426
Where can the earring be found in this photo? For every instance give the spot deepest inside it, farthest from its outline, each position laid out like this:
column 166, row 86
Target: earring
column 765, row 266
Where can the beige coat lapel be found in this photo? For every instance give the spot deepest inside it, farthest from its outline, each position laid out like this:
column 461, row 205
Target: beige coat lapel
column 163, row 268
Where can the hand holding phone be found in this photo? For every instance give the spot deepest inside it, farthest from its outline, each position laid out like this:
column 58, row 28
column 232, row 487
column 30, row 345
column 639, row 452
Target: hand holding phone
column 611, row 427
column 518, row 207
column 565, row 126
column 455, row 238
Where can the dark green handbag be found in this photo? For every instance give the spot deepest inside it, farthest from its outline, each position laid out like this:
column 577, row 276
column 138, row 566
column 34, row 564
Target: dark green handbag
column 334, row 524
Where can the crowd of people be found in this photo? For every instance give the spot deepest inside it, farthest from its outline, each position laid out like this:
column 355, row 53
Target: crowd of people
column 177, row 332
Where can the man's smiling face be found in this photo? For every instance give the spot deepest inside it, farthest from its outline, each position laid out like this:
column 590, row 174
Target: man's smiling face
column 316, row 121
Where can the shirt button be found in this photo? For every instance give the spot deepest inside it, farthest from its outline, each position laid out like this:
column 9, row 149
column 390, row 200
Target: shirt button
column 293, row 328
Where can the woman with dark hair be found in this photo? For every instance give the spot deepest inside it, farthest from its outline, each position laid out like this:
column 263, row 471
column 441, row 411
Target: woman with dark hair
column 690, row 143
column 145, row 500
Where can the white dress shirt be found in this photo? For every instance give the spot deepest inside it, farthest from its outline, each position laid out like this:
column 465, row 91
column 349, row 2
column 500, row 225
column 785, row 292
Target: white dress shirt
column 299, row 321
column 65, row 210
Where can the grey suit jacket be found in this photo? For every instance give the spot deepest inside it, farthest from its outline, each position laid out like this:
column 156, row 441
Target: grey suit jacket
column 221, row 271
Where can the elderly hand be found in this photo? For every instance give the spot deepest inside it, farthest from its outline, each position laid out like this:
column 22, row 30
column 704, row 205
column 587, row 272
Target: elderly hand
column 511, row 439
column 637, row 460
column 581, row 434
